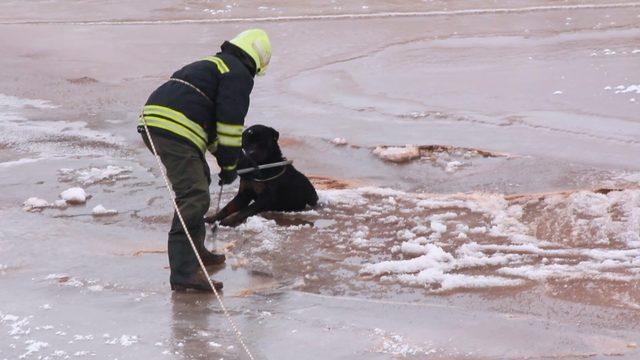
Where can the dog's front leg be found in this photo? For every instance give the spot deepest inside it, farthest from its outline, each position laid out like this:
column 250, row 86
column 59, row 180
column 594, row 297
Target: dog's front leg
column 242, row 199
column 261, row 204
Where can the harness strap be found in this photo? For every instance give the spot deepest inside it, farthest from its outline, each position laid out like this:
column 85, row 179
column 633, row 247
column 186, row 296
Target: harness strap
column 193, row 87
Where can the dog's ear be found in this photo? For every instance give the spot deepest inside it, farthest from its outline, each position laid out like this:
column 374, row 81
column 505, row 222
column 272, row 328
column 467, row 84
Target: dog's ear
column 276, row 134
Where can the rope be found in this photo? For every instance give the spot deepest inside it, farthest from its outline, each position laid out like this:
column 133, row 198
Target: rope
column 193, row 87
column 193, row 246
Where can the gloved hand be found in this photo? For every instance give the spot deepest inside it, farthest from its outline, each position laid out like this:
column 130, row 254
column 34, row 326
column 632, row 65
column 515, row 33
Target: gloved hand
column 227, row 176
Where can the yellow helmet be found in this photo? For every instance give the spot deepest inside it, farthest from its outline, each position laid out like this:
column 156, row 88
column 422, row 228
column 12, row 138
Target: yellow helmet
column 255, row 42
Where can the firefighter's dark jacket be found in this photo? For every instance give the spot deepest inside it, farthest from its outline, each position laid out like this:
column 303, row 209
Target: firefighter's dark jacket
column 205, row 103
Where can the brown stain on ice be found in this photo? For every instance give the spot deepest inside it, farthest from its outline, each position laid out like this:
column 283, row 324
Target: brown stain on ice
column 328, row 183
column 150, row 251
column 84, row 80
column 290, row 142
column 565, row 193
column 261, row 288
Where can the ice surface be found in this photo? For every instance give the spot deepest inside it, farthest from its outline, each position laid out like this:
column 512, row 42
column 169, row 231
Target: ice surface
column 560, row 268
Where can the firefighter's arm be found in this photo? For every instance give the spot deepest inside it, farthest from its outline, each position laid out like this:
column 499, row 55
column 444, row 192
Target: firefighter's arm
column 232, row 104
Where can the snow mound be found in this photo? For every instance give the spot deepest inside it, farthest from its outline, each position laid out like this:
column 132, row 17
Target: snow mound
column 35, row 204
column 257, row 224
column 74, row 196
column 339, row 141
column 267, row 229
column 397, row 154
column 100, row 210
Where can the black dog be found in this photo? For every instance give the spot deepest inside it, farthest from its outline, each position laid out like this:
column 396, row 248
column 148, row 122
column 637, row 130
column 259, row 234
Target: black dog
column 282, row 188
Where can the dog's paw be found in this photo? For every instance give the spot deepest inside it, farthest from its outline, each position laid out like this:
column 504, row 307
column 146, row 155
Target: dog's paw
column 231, row 221
column 210, row 219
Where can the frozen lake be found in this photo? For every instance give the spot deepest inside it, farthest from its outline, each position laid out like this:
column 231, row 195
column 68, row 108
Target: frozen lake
column 477, row 166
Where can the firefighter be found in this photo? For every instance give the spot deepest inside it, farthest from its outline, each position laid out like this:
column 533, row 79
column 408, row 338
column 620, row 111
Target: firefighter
column 202, row 108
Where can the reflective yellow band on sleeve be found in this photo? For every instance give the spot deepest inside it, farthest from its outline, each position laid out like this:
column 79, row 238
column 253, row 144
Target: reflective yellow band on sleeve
column 175, row 128
column 213, row 146
column 230, row 167
column 229, row 129
column 222, row 67
column 226, row 140
column 177, row 117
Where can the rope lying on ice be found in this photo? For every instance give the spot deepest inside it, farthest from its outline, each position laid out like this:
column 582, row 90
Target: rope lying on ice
column 193, row 246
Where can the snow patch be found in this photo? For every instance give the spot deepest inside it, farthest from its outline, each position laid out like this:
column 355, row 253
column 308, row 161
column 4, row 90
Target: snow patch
column 624, row 89
column 453, row 166
column 33, row 346
column 124, row 340
column 12, row 102
column 94, row 175
column 340, row 197
column 397, row 345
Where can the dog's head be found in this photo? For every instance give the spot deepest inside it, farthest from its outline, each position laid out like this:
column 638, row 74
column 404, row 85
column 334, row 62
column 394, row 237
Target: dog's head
column 260, row 143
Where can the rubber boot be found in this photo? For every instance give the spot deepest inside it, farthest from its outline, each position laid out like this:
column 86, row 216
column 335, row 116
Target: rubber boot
column 197, row 282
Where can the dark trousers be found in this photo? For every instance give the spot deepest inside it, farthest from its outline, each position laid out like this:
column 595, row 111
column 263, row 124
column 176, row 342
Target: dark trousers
column 190, row 178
